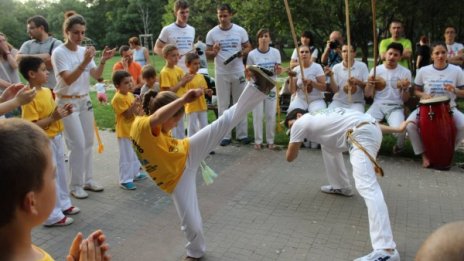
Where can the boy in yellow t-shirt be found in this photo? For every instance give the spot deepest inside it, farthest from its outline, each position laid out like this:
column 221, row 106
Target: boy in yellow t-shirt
column 173, row 163
column 172, row 78
column 43, row 111
column 126, row 106
column 197, row 111
column 27, row 188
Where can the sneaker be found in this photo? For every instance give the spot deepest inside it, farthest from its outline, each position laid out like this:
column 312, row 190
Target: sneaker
column 245, row 141
column 128, row 186
column 141, row 176
column 93, row 186
column 189, row 258
column 225, row 142
column 381, row 255
column 347, row 192
column 212, row 152
column 79, row 193
column 72, row 210
column 66, row 221
column 263, row 80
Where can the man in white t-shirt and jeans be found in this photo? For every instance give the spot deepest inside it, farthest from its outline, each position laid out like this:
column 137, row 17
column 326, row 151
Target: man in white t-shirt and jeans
column 338, row 130
column 455, row 50
column 227, row 43
column 178, row 33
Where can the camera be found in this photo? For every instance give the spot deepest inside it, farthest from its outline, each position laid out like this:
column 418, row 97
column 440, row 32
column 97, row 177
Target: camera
column 199, row 51
column 334, row 44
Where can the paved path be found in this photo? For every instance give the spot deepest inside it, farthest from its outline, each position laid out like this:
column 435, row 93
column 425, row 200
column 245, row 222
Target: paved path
column 261, row 208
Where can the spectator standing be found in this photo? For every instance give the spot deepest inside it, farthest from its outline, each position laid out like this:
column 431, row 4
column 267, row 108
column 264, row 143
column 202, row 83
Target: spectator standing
column 8, row 66
column 224, row 41
column 128, row 64
column 455, row 50
column 41, row 45
column 423, row 53
column 396, row 31
column 200, row 46
column 141, row 54
column 305, row 39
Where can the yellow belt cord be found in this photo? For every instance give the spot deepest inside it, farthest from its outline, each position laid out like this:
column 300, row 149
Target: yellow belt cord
column 378, row 170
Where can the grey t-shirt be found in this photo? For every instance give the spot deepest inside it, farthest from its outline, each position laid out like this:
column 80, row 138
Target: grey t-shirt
column 35, row 47
column 8, row 73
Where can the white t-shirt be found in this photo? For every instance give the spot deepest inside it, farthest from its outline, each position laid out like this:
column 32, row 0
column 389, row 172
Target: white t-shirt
column 314, row 54
column 454, row 48
column 359, row 71
column 268, row 60
column 100, row 87
column 311, row 73
column 327, row 126
column 432, row 80
column 64, row 59
column 182, row 37
column 391, row 94
column 231, row 41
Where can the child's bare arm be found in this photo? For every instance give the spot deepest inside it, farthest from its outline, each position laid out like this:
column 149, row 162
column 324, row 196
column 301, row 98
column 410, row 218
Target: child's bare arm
column 58, row 114
column 166, row 112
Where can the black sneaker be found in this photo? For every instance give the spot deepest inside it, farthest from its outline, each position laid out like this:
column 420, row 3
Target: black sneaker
column 225, row 142
column 262, row 78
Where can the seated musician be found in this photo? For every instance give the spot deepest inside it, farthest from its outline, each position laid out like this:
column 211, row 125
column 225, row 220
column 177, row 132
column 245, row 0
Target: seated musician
column 437, row 79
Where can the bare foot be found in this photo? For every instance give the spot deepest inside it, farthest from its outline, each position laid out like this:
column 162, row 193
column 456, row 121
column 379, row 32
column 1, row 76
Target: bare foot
column 257, row 146
column 425, row 161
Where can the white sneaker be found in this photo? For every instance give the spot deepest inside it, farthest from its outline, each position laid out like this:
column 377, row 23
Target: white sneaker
column 347, row 192
column 93, row 186
column 381, row 255
column 79, row 193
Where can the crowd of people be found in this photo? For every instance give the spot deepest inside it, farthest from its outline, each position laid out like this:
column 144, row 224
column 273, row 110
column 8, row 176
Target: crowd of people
column 55, row 103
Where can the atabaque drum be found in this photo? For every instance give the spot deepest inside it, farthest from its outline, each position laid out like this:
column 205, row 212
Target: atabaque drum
column 438, row 131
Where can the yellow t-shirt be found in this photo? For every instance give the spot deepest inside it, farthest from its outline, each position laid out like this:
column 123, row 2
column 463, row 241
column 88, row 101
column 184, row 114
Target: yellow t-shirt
column 199, row 104
column 170, row 77
column 162, row 155
column 120, row 103
column 41, row 107
column 46, row 256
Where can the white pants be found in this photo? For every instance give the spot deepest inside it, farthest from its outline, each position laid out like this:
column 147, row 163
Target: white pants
column 227, row 85
column 268, row 108
column 414, row 135
column 63, row 201
column 185, row 194
column 179, row 131
column 354, row 106
column 196, row 121
column 370, row 137
column 129, row 165
column 393, row 113
column 78, row 132
column 335, row 168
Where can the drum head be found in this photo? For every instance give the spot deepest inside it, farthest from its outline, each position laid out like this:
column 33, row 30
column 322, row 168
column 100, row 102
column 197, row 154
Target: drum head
column 433, row 100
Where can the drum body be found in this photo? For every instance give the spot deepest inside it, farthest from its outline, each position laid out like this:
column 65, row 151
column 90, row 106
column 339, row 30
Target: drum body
column 437, row 131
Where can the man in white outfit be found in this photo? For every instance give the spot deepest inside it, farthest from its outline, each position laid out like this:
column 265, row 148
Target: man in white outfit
column 227, row 43
column 455, row 50
column 338, row 130
column 390, row 90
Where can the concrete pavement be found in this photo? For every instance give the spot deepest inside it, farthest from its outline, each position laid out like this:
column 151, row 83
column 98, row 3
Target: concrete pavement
column 261, row 208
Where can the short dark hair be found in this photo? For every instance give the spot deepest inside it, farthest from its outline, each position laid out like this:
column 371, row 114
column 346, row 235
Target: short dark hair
column 293, row 115
column 395, row 21
column 396, row 46
column 29, row 63
column 451, row 26
column 435, row 44
column 180, row 4
column 190, row 57
column 225, row 7
column 20, row 141
column 118, row 76
column 148, row 71
column 39, row 20
column 261, row 32
column 123, row 48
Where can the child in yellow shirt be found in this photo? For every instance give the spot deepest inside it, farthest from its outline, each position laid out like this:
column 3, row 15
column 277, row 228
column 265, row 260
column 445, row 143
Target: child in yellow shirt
column 197, row 111
column 126, row 106
column 43, row 111
column 27, row 187
column 149, row 77
column 172, row 78
column 173, row 163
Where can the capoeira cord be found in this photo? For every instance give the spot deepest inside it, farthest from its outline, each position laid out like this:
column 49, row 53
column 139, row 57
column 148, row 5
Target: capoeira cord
column 349, row 134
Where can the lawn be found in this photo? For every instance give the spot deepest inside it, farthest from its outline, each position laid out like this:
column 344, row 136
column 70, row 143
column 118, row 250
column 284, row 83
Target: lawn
column 105, row 116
